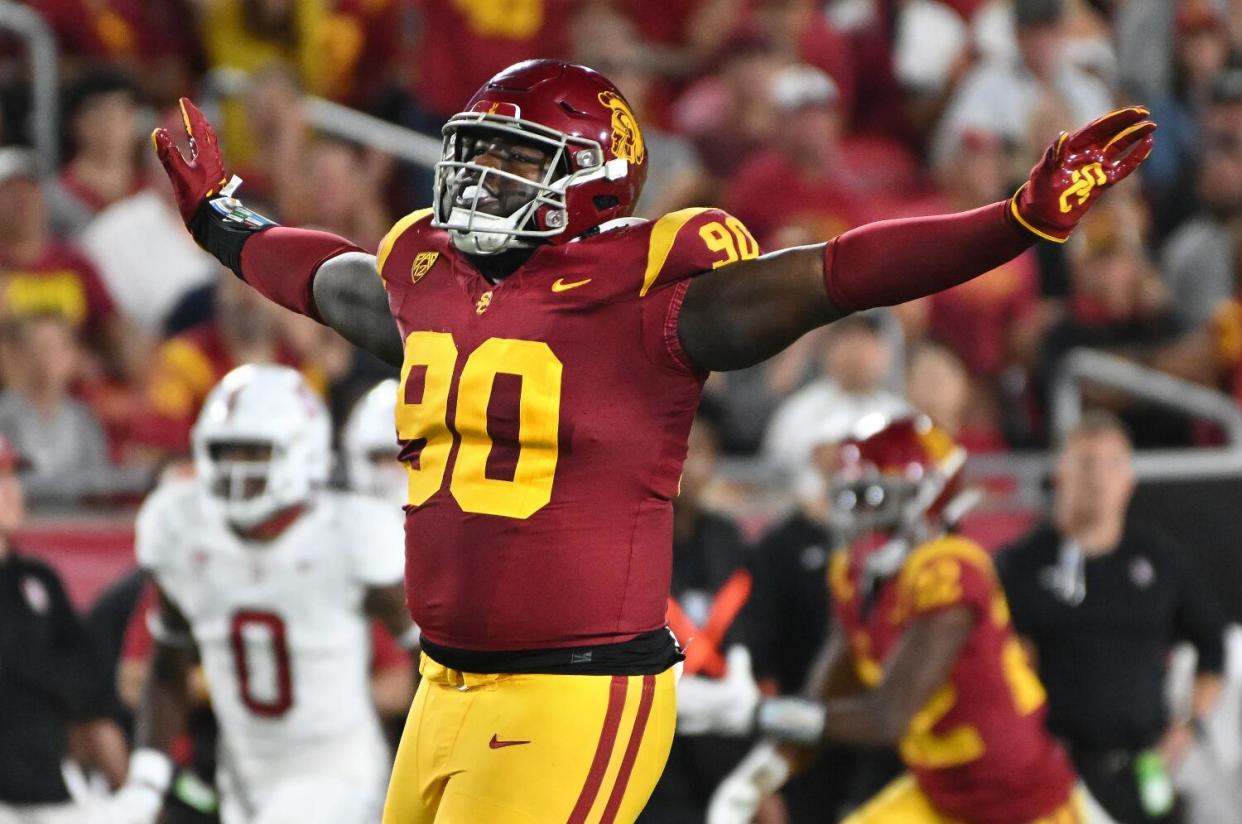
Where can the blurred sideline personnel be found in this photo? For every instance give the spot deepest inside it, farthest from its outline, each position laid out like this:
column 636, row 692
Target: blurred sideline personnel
column 706, row 608
column 922, row 656
column 54, row 693
column 1103, row 598
column 553, row 351
column 269, row 578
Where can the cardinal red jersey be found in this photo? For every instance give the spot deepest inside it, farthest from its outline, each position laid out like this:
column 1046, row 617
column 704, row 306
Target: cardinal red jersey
column 978, row 749
column 543, row 422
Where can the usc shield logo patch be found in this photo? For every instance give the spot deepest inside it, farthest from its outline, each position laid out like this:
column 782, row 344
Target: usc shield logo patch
column 422, row 264
column 627, row 140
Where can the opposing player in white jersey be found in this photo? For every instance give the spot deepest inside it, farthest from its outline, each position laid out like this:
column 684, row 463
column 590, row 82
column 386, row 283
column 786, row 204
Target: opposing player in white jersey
column 271, row 579
column 369, row 446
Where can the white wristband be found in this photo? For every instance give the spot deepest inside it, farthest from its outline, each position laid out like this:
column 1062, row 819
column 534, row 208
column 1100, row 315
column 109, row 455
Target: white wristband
column 795, row 720
column 765, row 768
column 150, row 768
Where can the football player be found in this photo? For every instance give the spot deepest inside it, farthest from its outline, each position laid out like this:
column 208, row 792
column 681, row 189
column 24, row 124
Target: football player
column 269, row 579
column 552, row 351
column 369, row 445
column 923, row 658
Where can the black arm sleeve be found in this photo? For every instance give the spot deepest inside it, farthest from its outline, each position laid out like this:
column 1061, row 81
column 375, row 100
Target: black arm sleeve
column 1198, row 618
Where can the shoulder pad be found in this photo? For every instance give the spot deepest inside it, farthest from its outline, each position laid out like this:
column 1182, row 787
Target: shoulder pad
column 690, row 241
column 947, row 572
column 167, row 511
column 400, row 228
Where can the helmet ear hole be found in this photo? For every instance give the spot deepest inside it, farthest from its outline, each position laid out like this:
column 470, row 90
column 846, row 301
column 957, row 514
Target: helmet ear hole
column 605, row 202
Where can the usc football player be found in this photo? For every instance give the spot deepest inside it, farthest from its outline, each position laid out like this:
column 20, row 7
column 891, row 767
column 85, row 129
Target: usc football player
column 923, row 658
column 552, row 352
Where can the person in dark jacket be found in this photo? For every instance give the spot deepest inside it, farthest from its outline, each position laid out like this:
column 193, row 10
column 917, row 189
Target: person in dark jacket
column 54, row 693
column 1102, row 597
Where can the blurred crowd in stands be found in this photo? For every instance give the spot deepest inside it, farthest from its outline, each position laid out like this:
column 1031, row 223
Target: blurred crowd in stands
column 802, row 117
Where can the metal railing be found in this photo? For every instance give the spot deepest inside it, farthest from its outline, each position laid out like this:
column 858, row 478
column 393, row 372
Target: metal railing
column 342, row 122
column 1086, row 366
column 45, row 79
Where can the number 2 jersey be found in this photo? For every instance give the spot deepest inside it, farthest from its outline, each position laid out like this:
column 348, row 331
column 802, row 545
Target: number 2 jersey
column 279, row 625
column 978, row 749
column 543, row 422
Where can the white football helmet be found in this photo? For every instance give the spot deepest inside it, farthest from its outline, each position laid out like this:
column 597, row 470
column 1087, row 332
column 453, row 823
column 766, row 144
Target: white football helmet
column 369, row 444
column 262, row 443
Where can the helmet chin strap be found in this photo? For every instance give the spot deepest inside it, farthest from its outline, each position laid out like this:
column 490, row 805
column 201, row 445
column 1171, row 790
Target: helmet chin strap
column 499, row 266
column 886, row 560
column 479, row 241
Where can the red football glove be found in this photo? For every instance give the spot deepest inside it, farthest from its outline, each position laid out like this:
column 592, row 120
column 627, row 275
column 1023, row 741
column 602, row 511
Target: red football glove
column 1076, row 170
column 203, row 174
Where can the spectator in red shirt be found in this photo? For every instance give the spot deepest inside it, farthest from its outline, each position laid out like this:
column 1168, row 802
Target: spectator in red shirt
column 341, row 190
column 387, row 60
column 464, row 42
column 101, row 112
column 155, row 41
column 802, row 33
column 39, row 275
column 245, row 330
column 811, row 177
column 608, row 42
column 728, row 114
column 938, row 385
column 995, row 320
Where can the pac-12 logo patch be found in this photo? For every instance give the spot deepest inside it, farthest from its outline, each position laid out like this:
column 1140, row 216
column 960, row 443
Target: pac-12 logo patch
column 627, row 140
column 422, row 264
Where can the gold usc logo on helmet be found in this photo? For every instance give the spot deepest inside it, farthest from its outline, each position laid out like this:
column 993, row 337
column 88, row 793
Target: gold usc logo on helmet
column 627, row 139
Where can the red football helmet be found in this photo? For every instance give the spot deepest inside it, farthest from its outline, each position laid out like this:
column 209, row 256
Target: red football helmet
column 594, row 160
column 896, row 476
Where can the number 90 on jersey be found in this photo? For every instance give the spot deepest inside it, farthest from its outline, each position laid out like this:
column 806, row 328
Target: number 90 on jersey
column 427, row 376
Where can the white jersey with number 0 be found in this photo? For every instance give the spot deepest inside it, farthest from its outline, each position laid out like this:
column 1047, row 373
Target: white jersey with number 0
column 280, row 627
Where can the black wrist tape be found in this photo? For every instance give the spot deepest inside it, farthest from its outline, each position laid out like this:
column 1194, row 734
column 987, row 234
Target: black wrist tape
column 222, row 225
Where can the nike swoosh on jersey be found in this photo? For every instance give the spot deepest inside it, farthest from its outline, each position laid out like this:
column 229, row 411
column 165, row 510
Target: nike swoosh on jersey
column 559, row 285
column 496, row 744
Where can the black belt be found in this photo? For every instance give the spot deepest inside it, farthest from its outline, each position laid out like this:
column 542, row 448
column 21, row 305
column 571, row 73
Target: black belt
column 647, row 654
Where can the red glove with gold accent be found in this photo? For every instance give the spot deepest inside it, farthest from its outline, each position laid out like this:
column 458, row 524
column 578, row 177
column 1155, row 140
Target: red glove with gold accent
column 203, row 174
column 1076, row 170
column 282, row 264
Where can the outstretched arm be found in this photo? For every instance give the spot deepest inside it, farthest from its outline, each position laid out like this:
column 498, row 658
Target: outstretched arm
column 922, row 662
column 739, row 315
column 919, row 666
column 350, row 298
column 312, row 273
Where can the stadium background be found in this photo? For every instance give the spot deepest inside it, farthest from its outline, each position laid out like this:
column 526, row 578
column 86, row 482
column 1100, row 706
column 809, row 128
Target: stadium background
column 802, row 117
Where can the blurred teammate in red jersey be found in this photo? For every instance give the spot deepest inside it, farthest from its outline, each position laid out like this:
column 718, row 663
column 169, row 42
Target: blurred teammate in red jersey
column 553, row 351
column 923, row 658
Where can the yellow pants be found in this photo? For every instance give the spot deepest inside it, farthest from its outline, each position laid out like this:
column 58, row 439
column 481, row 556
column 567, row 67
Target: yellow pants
column 902, row 802
column 552, row 749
